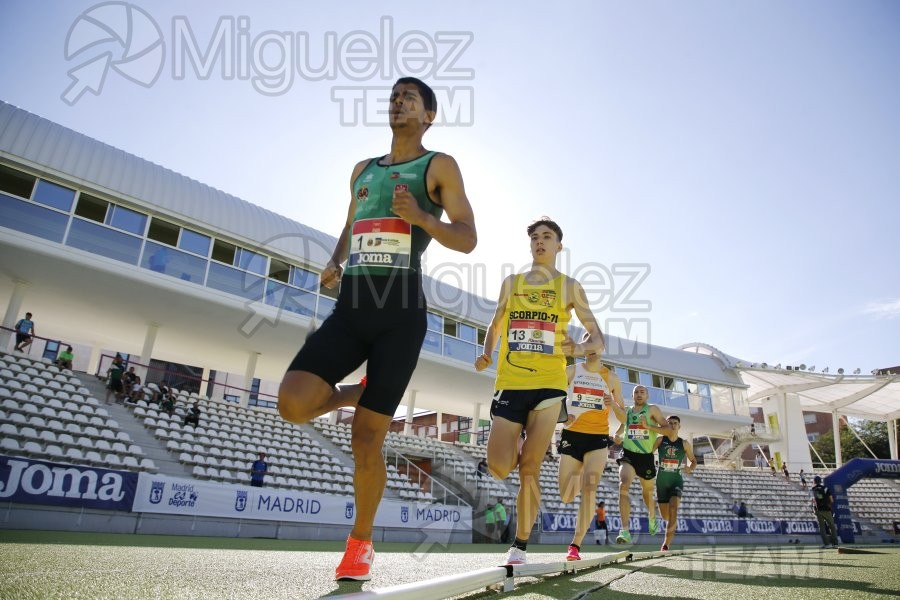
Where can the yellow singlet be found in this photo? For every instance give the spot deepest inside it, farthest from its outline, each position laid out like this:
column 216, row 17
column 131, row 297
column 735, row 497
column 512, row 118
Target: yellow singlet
column 531, row 356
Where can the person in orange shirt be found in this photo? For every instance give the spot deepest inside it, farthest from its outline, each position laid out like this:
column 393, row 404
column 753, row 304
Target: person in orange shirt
column 583, row 447
column 600, row 524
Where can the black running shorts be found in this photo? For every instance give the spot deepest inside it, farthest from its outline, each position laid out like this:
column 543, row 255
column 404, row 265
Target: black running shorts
column 514, row 405
column 577, row 444
column 379, row 318
column 644, row 464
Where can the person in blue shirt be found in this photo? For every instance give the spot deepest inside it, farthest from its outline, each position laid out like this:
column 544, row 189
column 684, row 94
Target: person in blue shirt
column 24, row 332
column 258, row 470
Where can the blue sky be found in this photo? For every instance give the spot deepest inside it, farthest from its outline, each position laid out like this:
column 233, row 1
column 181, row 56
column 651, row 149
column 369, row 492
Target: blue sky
column 744, row 156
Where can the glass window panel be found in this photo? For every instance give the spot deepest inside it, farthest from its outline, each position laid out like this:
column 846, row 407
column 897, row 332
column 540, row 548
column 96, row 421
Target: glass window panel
column 692, row 387
column 223, row 252
column 657, row 381
column 127, row 220
column 704, row 389
column 91, row 208
column 235, row 281
column 628, row 392
column 633, row 376
column 706, row 404
column 194, row 242
column 433, row 341
column 251, row 261
column 104, row 241
column 31, row 219
column 481, row 335
column 668, row 383
column 16, row 182
column 449, row 327
column 435, row 322
column 454, row 348
column 466, row 332
column 622, row 372
column 721, row 400
column 681, row 386
column 54, row 195
column 329, row 293
column 657, row 396
column 163, row 231
column 645, row 379
column 291, row 299
column 279, row 270
column 304, row 279
column 326, row 305
column 162, row 259
column 677, row 400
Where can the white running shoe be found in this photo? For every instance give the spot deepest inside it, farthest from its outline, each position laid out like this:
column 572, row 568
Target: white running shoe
column 515, row 556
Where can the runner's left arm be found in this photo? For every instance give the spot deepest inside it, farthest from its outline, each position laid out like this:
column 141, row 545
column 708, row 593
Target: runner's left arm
column 445, row 183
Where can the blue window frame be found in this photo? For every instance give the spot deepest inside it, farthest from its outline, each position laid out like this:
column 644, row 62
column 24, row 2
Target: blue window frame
column 167, row 260
column 104, row 241
column 234, row 281
column 194, row 242
column 126, row 219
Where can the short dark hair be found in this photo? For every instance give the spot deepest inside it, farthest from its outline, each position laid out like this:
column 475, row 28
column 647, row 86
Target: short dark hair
column 429, row 100
column 548, row 223
column 676, row 417
column 27, row 315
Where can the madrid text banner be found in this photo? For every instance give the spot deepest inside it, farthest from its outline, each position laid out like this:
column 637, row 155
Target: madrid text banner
column 163, row 494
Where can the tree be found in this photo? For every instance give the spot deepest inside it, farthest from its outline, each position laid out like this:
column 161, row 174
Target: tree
column 873, row 433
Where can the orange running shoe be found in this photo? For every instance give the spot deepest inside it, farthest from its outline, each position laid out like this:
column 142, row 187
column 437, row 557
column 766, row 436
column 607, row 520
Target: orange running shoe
column 356, row 562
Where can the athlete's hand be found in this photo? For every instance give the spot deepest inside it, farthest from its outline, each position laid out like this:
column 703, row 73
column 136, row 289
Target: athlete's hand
column 482, row 363
column 617, row 440
column 407, row 208
column 331, row 275
column 568, row 345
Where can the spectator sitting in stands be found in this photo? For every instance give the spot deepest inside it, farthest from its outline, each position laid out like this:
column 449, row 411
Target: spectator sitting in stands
column 742, row 511
column 482, row 469
column 128, row 379
column 157, row 396
column 167, row 403
column 193, row 415
column 134, row 391
column 64, row 360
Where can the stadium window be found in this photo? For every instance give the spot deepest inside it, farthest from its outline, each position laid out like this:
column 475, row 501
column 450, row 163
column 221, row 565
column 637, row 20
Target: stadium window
column 328, row 293
column 435, row 322
column 693, row 388
column 668, row 383
column 93, row 209
column 279, row 270
column 645, row 379
column 657, row 381
column 681, row 386
column 251, row 261
column 450, row 327
column 809, row 418
column 223, row 252
column 126, row 219
column 481, row 335
column 54, row 196
column 16, row 182
column 163, row 232
column 304, row 279
column 622, row 372
column 633, row 376
column 466, row 332
column 194, row 242
column 704, row 390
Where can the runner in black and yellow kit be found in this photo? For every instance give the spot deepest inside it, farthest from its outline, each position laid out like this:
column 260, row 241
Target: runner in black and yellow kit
column 637, row 458
column 396, row 203
column 533, row 315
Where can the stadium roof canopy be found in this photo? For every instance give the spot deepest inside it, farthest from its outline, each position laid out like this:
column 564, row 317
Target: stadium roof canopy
column 874, row 397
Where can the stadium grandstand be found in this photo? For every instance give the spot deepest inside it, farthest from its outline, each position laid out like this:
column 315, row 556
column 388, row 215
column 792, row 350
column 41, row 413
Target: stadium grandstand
column 210, row 296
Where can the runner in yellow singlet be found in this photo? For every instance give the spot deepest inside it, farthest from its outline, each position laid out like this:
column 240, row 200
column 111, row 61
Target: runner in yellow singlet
column 584, row 445
column 532, row 316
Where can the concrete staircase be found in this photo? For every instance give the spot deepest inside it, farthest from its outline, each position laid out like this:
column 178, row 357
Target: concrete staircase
column 154, row 449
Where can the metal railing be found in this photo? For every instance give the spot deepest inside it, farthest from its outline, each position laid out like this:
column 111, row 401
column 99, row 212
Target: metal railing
column 420, row 478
